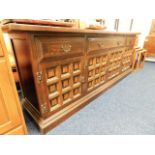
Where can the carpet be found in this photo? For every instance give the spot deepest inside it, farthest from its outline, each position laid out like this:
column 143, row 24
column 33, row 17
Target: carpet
column 128, row 108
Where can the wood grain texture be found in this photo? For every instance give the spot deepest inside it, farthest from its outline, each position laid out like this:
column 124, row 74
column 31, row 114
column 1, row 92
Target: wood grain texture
column 16, row 131
column 1, row 51
column 11, row 113
column 68, row 67
column 149, row 41
column 36, row 28
column 149, row 45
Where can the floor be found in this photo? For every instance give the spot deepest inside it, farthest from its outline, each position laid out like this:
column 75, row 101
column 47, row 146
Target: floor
column 126, row 108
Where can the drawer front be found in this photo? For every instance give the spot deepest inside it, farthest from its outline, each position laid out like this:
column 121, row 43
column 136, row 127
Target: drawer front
column 61, row 46
column 104, row 43
column 130, row 41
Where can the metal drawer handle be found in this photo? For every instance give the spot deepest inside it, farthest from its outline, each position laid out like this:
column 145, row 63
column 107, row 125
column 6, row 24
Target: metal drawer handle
column 66, row 47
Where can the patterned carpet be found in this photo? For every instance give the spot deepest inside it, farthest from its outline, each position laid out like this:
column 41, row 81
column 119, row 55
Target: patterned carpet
column 126, row 108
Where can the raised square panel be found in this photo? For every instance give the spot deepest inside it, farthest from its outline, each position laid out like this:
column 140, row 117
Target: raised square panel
column 53, row 88
column 65, row 83
column 102, row 77
column 97, row 80
column 54, row 101
column 51, row 72
column 76, row 66
column 98, row 60
column 90, row 73
column 76, row 91
column 102, row 69
column 91, row 61
column 76, row 79
column 66, row 96
column 65, row 69
column 104, row 58
column 90, row 84
column 97, row 70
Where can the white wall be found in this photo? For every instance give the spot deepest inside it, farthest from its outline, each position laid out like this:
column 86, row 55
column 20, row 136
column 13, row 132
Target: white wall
column 139, row 25
column 143, row 26
column 109, row 23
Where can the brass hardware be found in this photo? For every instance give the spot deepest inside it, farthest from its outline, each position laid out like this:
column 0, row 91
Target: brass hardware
column 101, row 44
column 66, row 47
column 44, row 108
column 39, row 77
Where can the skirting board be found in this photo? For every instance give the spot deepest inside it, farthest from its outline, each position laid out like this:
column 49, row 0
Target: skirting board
column 150, row 59
column 49, row 123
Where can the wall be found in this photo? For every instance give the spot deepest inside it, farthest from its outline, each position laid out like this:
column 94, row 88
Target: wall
column 143, row 26
column 139, row 25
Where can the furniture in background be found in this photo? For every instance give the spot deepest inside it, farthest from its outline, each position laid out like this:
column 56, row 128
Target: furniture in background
column 139, row 58
column 13, row 64
column 149, row 43
column 62, row 69
column 11, row 117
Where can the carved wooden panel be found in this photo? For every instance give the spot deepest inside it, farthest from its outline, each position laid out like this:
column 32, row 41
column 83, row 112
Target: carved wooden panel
column 127, row 59
column 64, row 82
column 115, row 62
column 97, row 68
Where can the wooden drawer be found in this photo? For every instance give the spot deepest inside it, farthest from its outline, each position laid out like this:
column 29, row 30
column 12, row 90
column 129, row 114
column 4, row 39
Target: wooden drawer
column 103, row 43
column 130, row 41
column 1, row 51
column 61, row 46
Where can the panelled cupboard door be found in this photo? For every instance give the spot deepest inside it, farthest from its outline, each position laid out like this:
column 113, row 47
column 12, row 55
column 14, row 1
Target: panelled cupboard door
column 9, row 117
column 10, row 112
column 64, row 81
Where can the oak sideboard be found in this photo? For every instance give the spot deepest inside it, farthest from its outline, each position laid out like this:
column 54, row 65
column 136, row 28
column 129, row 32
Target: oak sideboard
column 62, row 69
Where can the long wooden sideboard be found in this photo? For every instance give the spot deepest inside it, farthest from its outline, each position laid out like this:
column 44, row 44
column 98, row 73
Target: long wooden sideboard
column 63, row 69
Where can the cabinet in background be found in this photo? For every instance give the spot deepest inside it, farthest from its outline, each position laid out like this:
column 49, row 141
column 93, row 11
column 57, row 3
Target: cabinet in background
column 11, row 117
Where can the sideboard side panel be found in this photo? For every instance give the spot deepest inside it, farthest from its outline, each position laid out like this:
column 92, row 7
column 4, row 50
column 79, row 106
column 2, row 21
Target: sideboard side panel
column 22, row 56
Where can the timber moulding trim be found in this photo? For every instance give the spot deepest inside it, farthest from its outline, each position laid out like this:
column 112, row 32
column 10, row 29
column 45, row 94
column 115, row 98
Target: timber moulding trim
column 38, row 28
column 47, row 124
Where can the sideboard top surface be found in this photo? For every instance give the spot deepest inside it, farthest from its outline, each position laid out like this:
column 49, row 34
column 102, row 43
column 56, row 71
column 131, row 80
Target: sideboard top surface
column 38, row 28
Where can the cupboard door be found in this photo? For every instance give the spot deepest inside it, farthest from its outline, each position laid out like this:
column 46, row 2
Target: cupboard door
column 9, row 117
column 64, row 81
